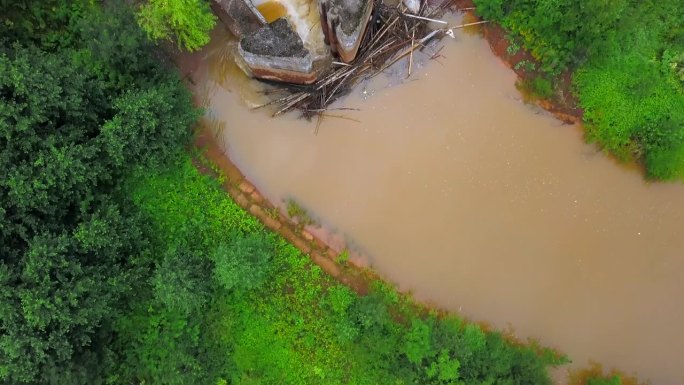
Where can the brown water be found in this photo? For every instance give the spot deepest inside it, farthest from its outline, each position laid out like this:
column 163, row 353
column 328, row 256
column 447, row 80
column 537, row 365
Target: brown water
column 455, row 189
column 272, row 10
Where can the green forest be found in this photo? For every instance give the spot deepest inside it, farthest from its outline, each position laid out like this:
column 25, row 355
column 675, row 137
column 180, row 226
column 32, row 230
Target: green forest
column 626, row 58
column 121, row 263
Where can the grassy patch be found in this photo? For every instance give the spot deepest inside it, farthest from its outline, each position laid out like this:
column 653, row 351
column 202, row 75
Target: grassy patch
column 343, row 257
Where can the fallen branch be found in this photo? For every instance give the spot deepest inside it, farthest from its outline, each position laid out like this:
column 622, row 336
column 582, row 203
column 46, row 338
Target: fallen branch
column 413, row 35
column 425, row 18
column 469, row 24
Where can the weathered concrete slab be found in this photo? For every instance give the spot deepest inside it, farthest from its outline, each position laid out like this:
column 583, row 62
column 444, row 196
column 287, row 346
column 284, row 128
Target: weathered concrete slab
column 344, row 24
column 239, row 16
column 276, row 52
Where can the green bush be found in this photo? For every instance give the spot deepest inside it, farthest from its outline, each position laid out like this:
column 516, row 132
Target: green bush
column 537, row 87
column 188, row 22
column 614, row 380
column 243, row 263
column 559, row 34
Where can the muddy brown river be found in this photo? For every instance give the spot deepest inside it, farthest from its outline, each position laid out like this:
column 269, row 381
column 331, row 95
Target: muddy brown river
column 452, row 187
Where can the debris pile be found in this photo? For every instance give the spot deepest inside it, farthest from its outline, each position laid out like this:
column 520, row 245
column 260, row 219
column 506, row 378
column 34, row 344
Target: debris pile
column 392, row 34
column 364, row 36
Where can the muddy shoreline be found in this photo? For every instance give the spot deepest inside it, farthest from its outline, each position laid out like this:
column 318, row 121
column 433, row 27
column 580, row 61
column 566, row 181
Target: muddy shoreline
column 353, row 273
column 564, row 108
column 247, row 196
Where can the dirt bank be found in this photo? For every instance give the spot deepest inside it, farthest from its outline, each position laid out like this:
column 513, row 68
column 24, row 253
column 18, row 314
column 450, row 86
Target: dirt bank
column 248, row 197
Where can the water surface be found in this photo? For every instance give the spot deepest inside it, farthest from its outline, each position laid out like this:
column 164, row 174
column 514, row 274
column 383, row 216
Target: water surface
column 455, row 189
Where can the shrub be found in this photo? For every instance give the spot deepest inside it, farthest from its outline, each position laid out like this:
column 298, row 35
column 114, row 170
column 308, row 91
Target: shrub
column 537, row 87
column 242, row 263
column 188, row 22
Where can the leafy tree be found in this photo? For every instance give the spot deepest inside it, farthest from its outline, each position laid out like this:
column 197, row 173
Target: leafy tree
column 69, row 248
column 57, row 298
column 558, row 33
column 112, row 46
column 444, row 370
column 418, row 342
column 147, row 124
column 63, row 140
column 180, row 282
column 188, row 22
column 48, row 23
column 49, row 116
column 160, row 335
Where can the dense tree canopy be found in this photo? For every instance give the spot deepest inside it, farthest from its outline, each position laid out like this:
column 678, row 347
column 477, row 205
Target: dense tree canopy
column 75, row 117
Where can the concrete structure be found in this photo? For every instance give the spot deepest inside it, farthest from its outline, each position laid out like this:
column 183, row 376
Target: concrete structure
column 239, row 16
column 344, row 24
column 275, row 52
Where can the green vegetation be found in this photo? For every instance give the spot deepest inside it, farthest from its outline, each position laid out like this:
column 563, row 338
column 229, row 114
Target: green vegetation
column 525, row 65
column 299, row 213
column 537, row 87
column 343, row 257
column 628, row 62
column 81, row 105
column 121, row 264
column 595, row 375
column 188, row 22
column 513, row 46
column 52, row 23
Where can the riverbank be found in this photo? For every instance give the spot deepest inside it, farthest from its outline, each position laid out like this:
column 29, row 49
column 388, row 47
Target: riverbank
column 562, row 104
column 127, row 265
column 622, row 64
column 236, row 117
column 247, row 196
column 281, row 318
column 353, row 273
column 211, row 161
